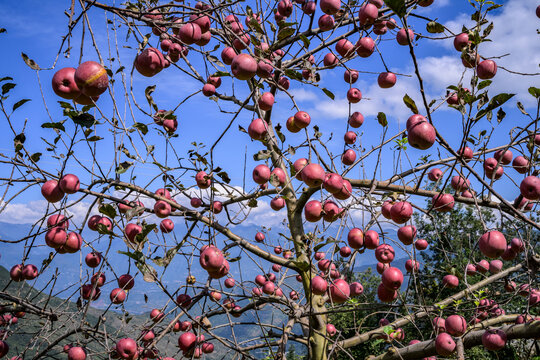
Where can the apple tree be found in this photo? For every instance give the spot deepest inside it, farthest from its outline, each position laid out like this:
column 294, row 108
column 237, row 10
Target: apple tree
column 174, row 134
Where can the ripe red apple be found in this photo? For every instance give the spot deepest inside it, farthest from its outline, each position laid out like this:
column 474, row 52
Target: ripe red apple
column 261, row 174
column 318, row 285
column 444, row 344
column 333, row 183
column 91, row 78
column 76, row 353
column 461, row 41
column 450, row 281
column 492, row 244
column 505, row 154
column 57, row 220
column 365, row 46
column 330, row 6
column 443, row 202
column 166, row 226
column 277, row 203
column 486, row 69
column 384, row 253
column 345, row 48
column 412, row 265
column 211, row 259
column 348, row 157
column 466, row 153
column 313, row 211
column 189, row 33
column 530, row 188
column 392, row 278
column 386, row 295
column 386, row 80
column 386, row 208
column 265, row 68
column 470, row 269
column 313, row 175
column 56, row 237
column 16, row 273
column 421, row 135
column 131, row 231
column 73, row 243
column 298, row 166
column 162, row 209
column 521, row 164
column 266, row 101
column 309, row 7
column 355, row 238
column 346, row 191
column 89, row 292
column 63, row 84
column 401, row 36
column 51, row 191
column 127, row 348
column 339, row 291
column 354, row 95
column 302, row 119
column 203, row 180
column 421, row 244
column 98, row 279
column 406, row 234
column 284, row 83
column 331, row 211
column 435, row 174
column 93, row 259
column 183, row 300
column 371, row 239
column 149, row 62
column 495, row 266
column 494, row 340
column 456, row 325
column 517, row 245
column 439, row 324
column 350, row 137
column 401, row 212
column 30, row 272
column 117, row 296
column 126, row 282
column 482, row 266
column 367, row 14
column 356, row 120
column 208, row 90
column 350, row 76
column 243, row 67
column 459, row 183
column 227, row 55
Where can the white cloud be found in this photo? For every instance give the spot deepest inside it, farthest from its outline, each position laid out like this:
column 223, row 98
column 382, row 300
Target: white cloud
column 33, row 211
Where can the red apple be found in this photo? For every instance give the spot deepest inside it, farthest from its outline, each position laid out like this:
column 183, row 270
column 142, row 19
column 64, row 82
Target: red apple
column 456, row 325
column 313, row 211
column 530, row 188
column 117, row 296
column 435, row 174
column 401, row 212
column 63, row 84
column 355, row 238
column 127, row 349
column 266, row 101
column 386, row 80
column 356, row 120
column 401, row 36
column 386, row 295
column 492, row 244
column 93, row 259
column 91, row 78
column 521, row 164
column 354, row 95
column 384, row 253
column 486, row 69
column 318, row 285
column 421, row 244
column 443, row 202
column 243, row 67
column 313, row 175
column 277, row 203
column 371, row 239
column 450, row 281
column 339, row 291
column 126, row 282
column 506, row 156
column 365, row 46
column 461, row 41
column 166, row 226
column 51, row 191
column 406, row 234
column 76, row 353
column 494, row 340
column 392, row 278
column 149, row 62
column 444, row 344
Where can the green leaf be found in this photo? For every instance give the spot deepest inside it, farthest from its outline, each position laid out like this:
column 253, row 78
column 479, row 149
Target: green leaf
column 35, row 157
column 147, row 228
column 31, row 63
column 397, row 6
column 54, row 125
column 483, row 84
column 84, row 119
column 381, row 117
column 20, row 103
column 410, row 104
column 494, row 103
column 141, row 127
column 500, row 115
column 94, row 138
column 7, row 87
column 108, row 210
column 221, row 73
column 262, row 155
column 293, row 74
column 305, row 40
column 522, row 108
column 328, row 93
column 224, row 176
column 123, row 167
column 388, row 329
column 534, row 91
column 285, row 33
column 434, row 27
column 252, row 203
column 302, row 265
column 215, row 60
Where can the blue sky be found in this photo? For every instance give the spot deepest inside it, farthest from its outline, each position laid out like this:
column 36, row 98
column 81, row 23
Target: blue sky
column 35, row 28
